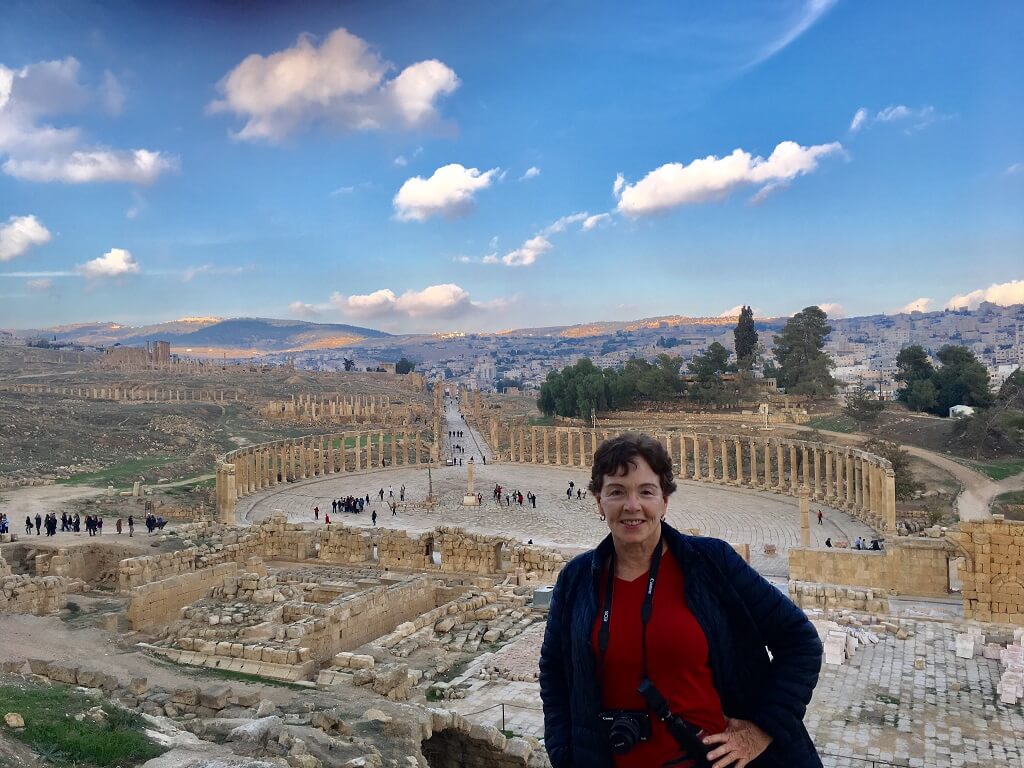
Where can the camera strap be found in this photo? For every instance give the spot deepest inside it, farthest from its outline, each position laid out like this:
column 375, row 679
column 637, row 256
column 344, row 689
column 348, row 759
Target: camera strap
column 646, row 609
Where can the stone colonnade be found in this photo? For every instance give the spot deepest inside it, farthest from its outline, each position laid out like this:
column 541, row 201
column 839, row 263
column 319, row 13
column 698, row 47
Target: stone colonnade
column 256, row 467
column 127, row 393
column 850, row 479
column 335, row 406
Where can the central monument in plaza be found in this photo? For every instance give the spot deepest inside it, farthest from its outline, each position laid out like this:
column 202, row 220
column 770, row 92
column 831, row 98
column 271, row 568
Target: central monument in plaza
column 470, row 499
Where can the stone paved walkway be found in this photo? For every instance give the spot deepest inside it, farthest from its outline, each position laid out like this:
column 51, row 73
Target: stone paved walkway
column 875, row 709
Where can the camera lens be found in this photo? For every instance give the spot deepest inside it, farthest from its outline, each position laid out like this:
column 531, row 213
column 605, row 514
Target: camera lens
column 623, row 735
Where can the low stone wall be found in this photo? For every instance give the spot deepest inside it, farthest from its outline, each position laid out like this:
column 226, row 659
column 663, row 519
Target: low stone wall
column 93, row 564
column 831, row 596
column 159, row 602
column 367, row 615
column 993, row 570
column 38, row 595
column 907, row 567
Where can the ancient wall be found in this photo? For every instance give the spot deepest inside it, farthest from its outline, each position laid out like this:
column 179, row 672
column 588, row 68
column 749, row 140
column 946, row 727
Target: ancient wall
column 906, row 567
column 93, row 564
column 33, row 594
column 992, row 570
column 122, row 392
column 159, row 602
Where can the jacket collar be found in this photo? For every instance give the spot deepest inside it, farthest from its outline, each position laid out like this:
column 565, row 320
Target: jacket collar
column 678, row 544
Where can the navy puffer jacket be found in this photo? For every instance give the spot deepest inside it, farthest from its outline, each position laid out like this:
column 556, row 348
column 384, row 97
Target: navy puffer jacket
column 741, row 615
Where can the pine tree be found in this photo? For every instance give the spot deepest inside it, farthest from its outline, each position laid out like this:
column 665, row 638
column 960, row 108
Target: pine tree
column 803, row 366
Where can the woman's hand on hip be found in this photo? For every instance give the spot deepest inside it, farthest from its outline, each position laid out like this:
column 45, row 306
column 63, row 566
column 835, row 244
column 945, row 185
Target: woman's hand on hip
column 739, row 744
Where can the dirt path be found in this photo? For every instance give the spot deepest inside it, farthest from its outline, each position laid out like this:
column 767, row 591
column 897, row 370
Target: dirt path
column 18, row 502
column 976, row 490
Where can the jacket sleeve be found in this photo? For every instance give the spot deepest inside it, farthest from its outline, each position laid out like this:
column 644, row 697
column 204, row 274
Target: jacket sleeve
column 555, row 653
column 793, row 642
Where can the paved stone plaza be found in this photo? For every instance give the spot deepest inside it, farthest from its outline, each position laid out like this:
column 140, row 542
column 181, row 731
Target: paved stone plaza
column 876, row 709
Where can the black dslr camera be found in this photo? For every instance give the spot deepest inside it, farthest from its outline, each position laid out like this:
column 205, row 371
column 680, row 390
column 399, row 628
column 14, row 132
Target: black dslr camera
column 626, row 728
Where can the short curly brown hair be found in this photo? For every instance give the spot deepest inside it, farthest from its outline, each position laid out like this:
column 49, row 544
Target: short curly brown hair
column 615, row 456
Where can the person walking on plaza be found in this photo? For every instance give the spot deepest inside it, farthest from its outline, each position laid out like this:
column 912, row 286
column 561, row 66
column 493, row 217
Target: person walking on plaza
column 131, row 526
column 327, row 519
column 28, row 525
column 39, row 522
column 819, row 517
column 316, row 513
column 117, row 526
column 373, row 518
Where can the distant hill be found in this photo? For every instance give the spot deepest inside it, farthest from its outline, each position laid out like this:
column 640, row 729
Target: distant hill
column 216, row 336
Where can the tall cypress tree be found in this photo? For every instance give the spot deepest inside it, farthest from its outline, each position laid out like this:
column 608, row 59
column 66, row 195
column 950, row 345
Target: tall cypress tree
column 745, row 336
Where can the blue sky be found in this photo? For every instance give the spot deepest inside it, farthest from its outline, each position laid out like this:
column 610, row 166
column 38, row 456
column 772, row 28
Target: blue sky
column 477, row 166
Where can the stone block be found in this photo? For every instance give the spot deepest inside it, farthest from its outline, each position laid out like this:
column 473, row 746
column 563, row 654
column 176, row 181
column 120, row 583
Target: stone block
column 186, row 695
column 215, row 696
column 964, row 647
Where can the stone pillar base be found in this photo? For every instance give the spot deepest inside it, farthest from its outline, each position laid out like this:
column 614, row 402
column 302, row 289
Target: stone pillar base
column 470, row 500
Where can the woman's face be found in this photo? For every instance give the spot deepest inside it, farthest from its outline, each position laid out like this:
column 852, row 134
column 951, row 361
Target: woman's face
column 633, row 504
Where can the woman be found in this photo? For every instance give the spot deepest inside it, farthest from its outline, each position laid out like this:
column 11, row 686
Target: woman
column 697, row 643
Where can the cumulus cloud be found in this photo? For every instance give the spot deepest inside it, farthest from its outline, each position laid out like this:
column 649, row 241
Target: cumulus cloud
column 917, row 118
column 491, row 258
column 35, row 150
column 448, row 192
column 917, row 305
column 527, row 253
column 832, row 309
column 713, row 178
column 532, row 172
column 19, row 234
column 40, row 285
column 443, row 301
column 341, row 83
column 304, row 311
column 1004, row 294
column 116, row 262
column 597, row 219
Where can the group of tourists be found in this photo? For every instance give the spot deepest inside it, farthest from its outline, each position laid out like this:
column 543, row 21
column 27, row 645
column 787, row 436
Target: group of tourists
column 581, row 493
column 512, row 496
column 349, row 504
column 875, row 545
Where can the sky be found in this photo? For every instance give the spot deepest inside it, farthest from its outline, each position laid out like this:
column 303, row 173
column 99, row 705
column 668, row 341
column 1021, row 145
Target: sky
column 441, row 166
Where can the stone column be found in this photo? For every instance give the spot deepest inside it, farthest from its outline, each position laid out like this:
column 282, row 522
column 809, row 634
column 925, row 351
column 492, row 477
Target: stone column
column 829, row 461
column 405, row 445
column 418, row 447
column 583, row 459
column 359, row 451
column 851, row 481
column 683, row 468
column 470, row 499
column 545, row 434
column 767, row 464
column 725, row 459
column 533, row 441
column 816, row 472
column 394, row 448
column 890, row 501
column 858, row 483
column 805, row 517
column 696, row 458
column 780, row 456
column 792, row 469
column 753, row 464
column 380, row 448
column 738, row 449
column 709, row 449
column 558, row 447
column 227, row 512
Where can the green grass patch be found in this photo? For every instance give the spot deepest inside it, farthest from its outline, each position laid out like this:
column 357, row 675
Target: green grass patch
column 998, row 470
column 121, row 473
column 187, row 488
column 837, row 423
column 541, row 421
column 52, row 730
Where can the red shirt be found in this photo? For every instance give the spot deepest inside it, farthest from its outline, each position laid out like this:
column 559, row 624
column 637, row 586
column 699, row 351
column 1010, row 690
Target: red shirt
column 677, row 661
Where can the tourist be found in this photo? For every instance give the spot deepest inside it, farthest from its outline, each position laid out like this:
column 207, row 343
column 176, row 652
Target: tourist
column 117, row 526
column 373, row 518
column 28, row 525
column 820, row 516
column 131, row 526
column 727, row 664
column 39, row 522
column 858, row 543
column 327, row 519
column 875, row 545
column 99, row 525
column 381, row 493
column 316, row 513
column 77, row 524
column 394, row 508
column 828, row 542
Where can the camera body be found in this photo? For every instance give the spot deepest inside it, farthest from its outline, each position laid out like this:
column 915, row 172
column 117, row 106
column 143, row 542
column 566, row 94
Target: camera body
column 626, row 728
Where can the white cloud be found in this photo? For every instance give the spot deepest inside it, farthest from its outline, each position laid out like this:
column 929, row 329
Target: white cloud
column 1004, row 294
column 462, row 259
column 918, row 117
column 596, row 220
column 189, row 273
column 341, row 84
column 40, row 285
column 713, row 178
column 732, row 312
column 562, row 224
column 527, row 253
column 448, row 192
column 532, row 172
column 400, row 161
column 491, row 258
column 832, row 309
column 114, row 263
column 37, row 151
column 810, row 12
column 859, row 118
column 435, row 301
column 1015, row 168
column 917, row 305
column 19, row 234
column 304, row 311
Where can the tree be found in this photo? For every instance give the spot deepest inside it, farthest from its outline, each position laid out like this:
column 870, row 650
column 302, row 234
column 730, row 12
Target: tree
column 803, row 367
column 745, row 336
column 579, row 389
column 920, row 395
column 863, row 408
column 961, row 380
column 708, row 370
column 405, row 365
column 349, row 363
column 913, row 364
column 1011, row 393
column 906, row 485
